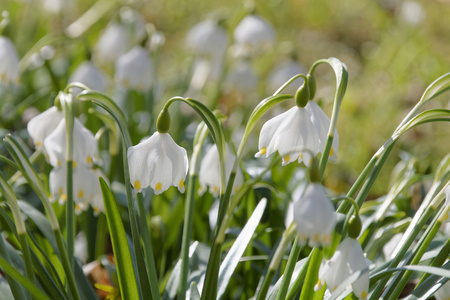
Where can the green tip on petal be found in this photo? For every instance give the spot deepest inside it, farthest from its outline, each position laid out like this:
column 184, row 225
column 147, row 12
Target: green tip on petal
column 302, row 95
column 354, row 227
column 163, row 121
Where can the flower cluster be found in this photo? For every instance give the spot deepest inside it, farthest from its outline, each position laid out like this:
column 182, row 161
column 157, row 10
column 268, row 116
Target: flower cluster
column 48, row 131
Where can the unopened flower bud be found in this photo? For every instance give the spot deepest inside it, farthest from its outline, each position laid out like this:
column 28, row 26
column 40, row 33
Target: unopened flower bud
column 163, row 121
column 302, row 95
column 354, row 227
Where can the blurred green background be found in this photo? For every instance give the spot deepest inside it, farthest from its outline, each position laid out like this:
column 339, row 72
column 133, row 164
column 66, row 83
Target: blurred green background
column 393, row 49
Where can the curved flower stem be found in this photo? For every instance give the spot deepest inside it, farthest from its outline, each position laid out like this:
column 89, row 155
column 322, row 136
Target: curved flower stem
column 312, row 274
column 200, row 136
column 148, row 249
column 350, row 200
column 288, row 235
column 293, row 257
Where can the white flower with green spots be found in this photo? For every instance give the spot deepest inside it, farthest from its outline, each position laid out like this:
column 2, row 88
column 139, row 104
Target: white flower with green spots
column 158, row 162
column 348, row 259
column 9, row 68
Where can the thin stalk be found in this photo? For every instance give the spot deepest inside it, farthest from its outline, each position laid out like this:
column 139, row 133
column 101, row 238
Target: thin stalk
column 66, row 264
column 312, row 274
column 288, row 235
column 70, row 221
column 438, row 261
column 293, row 257
column 29, row 270
column 298, row 283
column 187, row 233
column 148, row 249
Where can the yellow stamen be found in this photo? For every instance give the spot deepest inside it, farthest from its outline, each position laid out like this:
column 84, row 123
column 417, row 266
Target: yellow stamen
column 263, row 151
column 60, row 191
column 137, row 185
column 63, row 197
column 331, row 152
column 74, row 164
column 80, row 194
column 58, row 163
column 301, row 155
column 96, row 210
column 77, row 207
column 38, row 144
column 364, row 295
column 316, row 238
column 319, row 283
column 158, row 186
column 446, row 217
column 3, row 76
column 89, row 159
column 215, row 189
column 181, row 184
column 287, row 158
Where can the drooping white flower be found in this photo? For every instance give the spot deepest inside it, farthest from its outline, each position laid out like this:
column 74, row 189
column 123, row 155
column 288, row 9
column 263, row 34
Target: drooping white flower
column 85, row 149
column 241, row 78
column 254, row 33
column 42, row 125
column 96, row 201
column 348, row 259
column 114, row 42
column 9, row 66
column 135, row 70
column 290, row 133
column 282, row 73
column 209, row 174
column 88, row 74
column 443, row 293
column 207, row 38
column 84, row 186
column 321, row 123
column 158, row 162
column 57, row 6
column 314, row 216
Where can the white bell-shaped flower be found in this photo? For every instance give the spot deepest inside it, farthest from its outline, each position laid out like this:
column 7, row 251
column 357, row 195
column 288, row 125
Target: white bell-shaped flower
column 443, row 293
column 42, row 125
column 314, row 216
column 89, row 75
column 241, row 78
column 84, row 186
column 96, row 201
column 85, row 149
column 135, row 70
column 290, row 133
column 321, row 123
column 114, row 42
column 9, row 66
column 207, row 38
column 282, row 73
column 158, row 162
column 254, row 33
column 209, row 174
column 348, row 259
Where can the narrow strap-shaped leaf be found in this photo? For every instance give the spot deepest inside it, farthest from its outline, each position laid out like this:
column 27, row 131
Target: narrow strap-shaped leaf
column 124, row 264
column 22, row 280
column 17, row 290
column 237, row 250
column 195, row 295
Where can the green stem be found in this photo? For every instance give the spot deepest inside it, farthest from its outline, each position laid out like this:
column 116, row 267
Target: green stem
column 439, row 260
column 212, row 271
column 70, row 226
column 66, row 264
column 293, row 257
column 187, row 233
column 53, row 78
column 298, row 283
column 27, row 257
column 148, row 249
column 288, row 235
column 312, row 274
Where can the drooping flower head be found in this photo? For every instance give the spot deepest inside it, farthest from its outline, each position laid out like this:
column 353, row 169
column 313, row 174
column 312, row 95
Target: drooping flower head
column 241, row 78
column 314, row 216
column 88, row 74
column 114, row 42
column 348, row 259
column 135, row 70
column 85, row 149
column 158, row 162
column 207, row 38
column 297, row 134
column 209, row 174
column 42, row 125
column 254, row 34
column 84, row 186
column 9, row 67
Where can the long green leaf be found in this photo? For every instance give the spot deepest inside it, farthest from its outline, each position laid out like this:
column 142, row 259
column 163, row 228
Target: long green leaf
column 237, row 250
column 124, row 264
column 22, row 280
